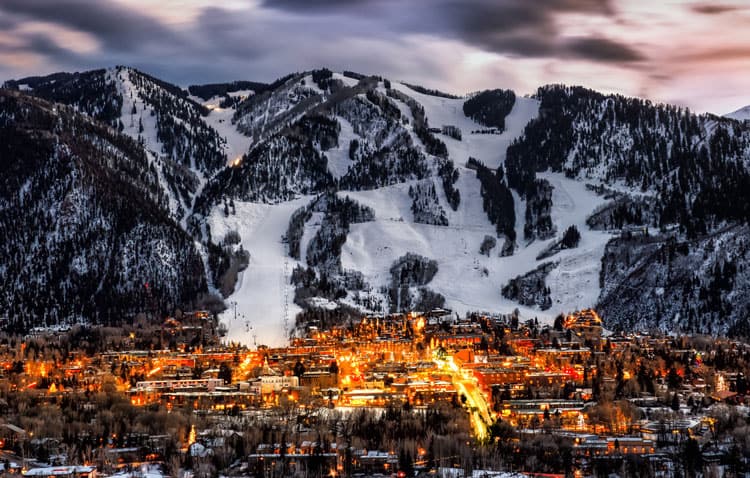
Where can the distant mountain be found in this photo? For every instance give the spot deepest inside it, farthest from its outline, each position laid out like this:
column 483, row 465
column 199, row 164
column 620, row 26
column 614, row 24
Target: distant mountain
column 86, row 234
column 345, row 193
column 742, row 114
column 161, row 116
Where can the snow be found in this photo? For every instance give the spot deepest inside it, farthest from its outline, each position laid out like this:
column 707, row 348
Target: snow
column 131, row 124
column 263, row 294
column 309, row 83
column 241, row 93
column 145, row 470
column 220, row 119
column 345, row 79
column 338, row 158
column 741, row 114
column 372, row 248
column 311, row 229
column 322, row 303
column 488, row 148
column 445, row 472
column 129, row 93
column 469, row 281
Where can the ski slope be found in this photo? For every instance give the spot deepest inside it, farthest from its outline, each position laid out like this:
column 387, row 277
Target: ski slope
column 220, row 119
column 263, row 296
column 470, row 281
column 488, row 148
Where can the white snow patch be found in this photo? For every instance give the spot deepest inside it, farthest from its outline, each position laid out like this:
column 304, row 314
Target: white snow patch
column 309, row 83
column 741, row 114
column 241, row 93
column 263, row 293
column 338, row 158
column 220, row 119
column 345, row 79
column 322, row 303
column 143, row 115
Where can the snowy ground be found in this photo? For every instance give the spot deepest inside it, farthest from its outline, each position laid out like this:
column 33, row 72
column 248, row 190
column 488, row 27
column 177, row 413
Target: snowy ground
column 338, row 157
column 146, row 470
column 345, row 79
column 221, row 120
column 470, row 281
column 132, row 123
column 459, row 473
column 574, row 283
column 263, row 295
column 488, row 148
column 741, row 114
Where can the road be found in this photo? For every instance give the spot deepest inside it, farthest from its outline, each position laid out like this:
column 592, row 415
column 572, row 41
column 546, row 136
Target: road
column 479, row 410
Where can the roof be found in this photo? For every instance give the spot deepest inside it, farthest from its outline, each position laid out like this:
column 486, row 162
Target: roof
column 59, row 470
column 14, row 428
column 723, row 395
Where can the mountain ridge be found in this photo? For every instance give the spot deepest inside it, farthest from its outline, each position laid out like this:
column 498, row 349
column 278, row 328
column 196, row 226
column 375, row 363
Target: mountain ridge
column 567, row 156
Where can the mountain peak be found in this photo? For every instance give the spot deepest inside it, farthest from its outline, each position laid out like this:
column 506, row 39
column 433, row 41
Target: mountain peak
column 742, row 114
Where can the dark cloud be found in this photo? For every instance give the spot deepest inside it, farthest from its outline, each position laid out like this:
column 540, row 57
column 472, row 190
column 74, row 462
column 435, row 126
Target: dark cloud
column 302, row 31
column 713, row 8
column 528, row 29
column 518, row 28
column 422, row 41
column 117, row 27
column 318, row 5
column 603, row 49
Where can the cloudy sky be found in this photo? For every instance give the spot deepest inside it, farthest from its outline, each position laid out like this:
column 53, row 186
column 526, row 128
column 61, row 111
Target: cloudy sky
column 692, row 53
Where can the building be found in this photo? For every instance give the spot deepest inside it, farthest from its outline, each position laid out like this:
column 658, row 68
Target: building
column 268, row 384
column 318, row 379
column 585, row 323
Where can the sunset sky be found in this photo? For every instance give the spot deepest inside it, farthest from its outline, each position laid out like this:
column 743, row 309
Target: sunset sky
column 690, row 53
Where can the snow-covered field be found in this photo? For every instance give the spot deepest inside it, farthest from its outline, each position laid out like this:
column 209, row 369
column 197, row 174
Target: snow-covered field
column 574, row 283
column 263, row 295
column 143, row 117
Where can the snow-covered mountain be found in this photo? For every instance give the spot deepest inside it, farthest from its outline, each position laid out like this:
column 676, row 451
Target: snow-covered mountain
column 87, row 235
column 340, row 194
column 742, row 114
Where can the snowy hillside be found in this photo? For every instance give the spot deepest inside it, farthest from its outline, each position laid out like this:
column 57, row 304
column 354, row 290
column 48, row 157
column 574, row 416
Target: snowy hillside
column 322, row 196
column 220, row 118
column 87, row 236
column 489, row 148
column 263, row 295
column 741, row 114
column 468, row 280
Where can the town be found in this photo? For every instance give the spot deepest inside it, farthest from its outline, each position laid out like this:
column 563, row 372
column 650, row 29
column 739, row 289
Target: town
column 417, row 394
